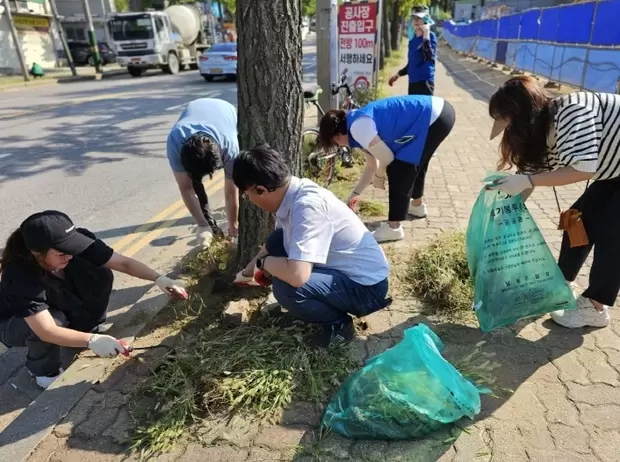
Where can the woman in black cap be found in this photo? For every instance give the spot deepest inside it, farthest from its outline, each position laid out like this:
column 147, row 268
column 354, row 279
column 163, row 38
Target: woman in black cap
column 55, row 284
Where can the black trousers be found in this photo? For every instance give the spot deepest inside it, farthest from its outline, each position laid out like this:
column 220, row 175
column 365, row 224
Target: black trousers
column 600, row 208
column 424, row 87
column 405, row 180
column 43, row 359
column 81, row 308
column 199, row 190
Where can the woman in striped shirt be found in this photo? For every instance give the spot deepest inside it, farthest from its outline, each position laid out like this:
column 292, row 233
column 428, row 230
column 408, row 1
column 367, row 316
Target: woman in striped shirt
column 559, row 141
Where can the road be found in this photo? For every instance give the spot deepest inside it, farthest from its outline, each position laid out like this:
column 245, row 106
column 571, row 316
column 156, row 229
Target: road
column 96, row 151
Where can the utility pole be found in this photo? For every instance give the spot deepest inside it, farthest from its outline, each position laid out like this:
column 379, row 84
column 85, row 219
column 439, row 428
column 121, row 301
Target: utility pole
column 326, row 20
column 18, row 48
column 106, row 29
column 92, row 38
column 63, row 39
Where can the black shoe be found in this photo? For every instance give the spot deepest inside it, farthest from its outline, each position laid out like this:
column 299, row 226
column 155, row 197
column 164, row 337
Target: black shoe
column 333, row 334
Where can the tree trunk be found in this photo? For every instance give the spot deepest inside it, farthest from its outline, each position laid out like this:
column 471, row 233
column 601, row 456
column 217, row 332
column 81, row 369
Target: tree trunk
column 385, row 28
column 396, row 34
column 270, row 97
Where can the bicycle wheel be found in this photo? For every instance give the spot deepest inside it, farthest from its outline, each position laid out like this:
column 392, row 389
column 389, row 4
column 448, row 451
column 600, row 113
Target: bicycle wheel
column 317, row 164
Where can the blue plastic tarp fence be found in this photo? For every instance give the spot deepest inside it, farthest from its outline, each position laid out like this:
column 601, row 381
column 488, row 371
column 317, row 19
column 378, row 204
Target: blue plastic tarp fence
column 578, row 44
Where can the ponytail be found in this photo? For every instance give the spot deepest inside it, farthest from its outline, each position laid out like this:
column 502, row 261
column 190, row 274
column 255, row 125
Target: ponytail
column 333, row 123
column 16, row 251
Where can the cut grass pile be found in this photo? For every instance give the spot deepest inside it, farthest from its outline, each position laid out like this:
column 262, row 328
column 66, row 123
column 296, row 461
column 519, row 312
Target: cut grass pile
column 253, row 370
column 344, row 182
column 438, row 274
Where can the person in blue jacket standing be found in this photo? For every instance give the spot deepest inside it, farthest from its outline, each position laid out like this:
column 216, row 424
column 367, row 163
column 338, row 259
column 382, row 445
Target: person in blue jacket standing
column 421, row 55
column 399, row 136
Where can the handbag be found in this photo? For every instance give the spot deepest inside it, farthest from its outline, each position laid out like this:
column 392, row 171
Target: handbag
column 571, row 220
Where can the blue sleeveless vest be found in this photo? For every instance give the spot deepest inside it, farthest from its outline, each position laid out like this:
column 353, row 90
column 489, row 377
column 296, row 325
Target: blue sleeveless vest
column 402, row 123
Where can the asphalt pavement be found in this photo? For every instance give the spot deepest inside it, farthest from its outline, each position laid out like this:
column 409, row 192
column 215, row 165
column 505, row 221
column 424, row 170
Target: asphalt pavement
column 96, row 151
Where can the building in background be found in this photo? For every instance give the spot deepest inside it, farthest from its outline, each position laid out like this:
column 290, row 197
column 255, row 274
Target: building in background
column 467, row 10
column 472, row 10
column 75, row 24
column 37, row 34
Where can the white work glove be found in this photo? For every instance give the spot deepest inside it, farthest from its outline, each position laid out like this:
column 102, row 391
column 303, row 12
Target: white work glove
column 170, row 286
column 204, row 235
column 426, row 32
column 512, row 184
column 105, row 346
column 378, row 181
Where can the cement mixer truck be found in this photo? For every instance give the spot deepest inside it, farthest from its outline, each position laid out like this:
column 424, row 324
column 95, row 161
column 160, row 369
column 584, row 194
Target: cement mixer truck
column 169, row 40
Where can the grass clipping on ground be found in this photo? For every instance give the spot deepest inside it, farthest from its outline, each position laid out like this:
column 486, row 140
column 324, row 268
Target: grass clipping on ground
column 254, row 370
column 344, row 182
column 438, row 273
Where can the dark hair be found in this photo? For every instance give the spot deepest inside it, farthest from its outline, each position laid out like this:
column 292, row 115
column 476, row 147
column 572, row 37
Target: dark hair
column 525, row 104
column 260, row 166
column 16, row 251
column 333, row 123
column 199, row 156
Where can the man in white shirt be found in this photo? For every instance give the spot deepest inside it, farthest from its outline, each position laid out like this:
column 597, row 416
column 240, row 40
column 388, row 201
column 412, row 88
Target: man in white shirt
column 324, row 263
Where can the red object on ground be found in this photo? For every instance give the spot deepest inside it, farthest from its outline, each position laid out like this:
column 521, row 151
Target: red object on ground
column 179, row 293
column 353, row 203
column 126, row 347
column 262, row 279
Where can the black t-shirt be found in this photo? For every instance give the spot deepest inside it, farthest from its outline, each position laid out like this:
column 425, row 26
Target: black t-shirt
column 25, row 291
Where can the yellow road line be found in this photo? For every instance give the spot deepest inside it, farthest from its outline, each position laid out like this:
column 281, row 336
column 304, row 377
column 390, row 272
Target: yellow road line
column 153, row 221
column 154, row 233
column 73, row 102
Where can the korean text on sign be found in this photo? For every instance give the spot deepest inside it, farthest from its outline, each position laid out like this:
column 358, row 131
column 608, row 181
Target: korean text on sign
column 357, row 18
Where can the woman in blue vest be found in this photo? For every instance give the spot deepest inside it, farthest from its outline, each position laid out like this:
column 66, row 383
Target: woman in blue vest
column 421, row 55
column 399, row 135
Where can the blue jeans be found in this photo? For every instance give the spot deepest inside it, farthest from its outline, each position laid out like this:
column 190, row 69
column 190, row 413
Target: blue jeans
column 329, row 297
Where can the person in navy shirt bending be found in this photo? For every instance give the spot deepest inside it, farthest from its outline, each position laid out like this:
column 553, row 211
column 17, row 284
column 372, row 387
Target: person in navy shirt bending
column 421, row 55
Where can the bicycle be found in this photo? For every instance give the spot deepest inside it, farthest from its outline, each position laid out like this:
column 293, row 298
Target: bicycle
column 319, row 164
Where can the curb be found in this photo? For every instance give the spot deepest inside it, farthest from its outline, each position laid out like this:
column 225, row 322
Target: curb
column 58, row 80
column 21, row 437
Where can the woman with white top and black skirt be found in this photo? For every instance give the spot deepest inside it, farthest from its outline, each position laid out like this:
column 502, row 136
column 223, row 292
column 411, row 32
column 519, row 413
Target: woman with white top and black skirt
column 556, row 141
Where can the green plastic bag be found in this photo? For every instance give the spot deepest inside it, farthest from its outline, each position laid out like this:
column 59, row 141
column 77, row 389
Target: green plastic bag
column 515, row 274
column 405, row 392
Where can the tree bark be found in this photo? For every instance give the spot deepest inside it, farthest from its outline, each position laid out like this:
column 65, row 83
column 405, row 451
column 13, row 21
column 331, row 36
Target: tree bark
column 270, row 97
column 396, row 34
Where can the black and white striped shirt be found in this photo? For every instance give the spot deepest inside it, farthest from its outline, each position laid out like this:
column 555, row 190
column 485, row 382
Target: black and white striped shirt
column 585, row 137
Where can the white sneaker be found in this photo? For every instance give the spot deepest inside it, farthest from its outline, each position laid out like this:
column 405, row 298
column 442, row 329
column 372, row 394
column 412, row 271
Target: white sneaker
column 385, row 233
column 584, row 315
column 45, row 381
column 418, row 211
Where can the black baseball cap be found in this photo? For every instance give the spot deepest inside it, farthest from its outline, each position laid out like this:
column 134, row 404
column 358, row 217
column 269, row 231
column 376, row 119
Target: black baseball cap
column 53, row 230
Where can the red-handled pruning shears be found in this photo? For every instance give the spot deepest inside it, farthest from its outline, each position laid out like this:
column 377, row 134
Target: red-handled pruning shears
column 130, row 349
column 178, row 292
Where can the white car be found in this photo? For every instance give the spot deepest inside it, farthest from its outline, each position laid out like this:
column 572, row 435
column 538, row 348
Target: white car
column 219, row 61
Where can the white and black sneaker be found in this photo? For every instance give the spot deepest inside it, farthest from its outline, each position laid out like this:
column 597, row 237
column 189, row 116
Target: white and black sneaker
column 418, row 211
column 44, row 381
column 585, row 315
column 334, row 334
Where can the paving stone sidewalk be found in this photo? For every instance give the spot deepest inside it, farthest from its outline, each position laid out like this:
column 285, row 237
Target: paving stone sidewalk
column 566, row 405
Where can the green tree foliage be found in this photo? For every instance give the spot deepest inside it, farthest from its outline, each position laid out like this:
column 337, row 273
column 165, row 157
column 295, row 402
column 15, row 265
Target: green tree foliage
column 121, row 5
column 308, row 7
